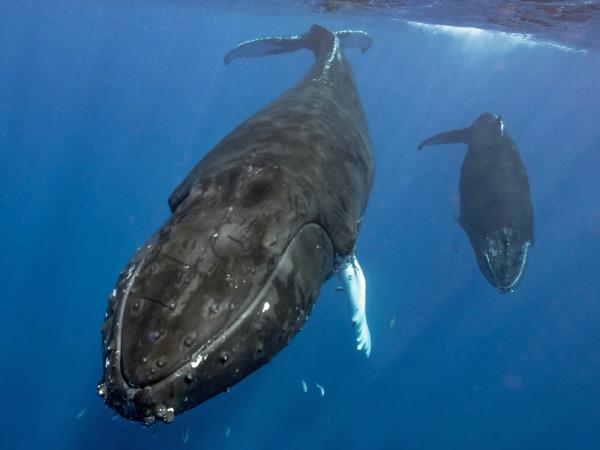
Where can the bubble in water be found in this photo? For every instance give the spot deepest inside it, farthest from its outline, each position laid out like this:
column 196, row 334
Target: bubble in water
column 154, row 335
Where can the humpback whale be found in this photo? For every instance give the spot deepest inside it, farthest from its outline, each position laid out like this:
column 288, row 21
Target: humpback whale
column 495, row 202
column 257, row 226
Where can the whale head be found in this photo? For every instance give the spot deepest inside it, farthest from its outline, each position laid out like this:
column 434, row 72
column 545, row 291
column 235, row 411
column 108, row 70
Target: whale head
column 501, row 257
column 222, row 286
column 487, row 128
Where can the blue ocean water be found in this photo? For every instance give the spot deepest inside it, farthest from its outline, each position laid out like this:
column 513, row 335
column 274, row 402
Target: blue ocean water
column 104, row 108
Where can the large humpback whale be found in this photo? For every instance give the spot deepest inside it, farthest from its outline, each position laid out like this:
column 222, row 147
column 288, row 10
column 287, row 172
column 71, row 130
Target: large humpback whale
column 495, row 203
column 256, row 227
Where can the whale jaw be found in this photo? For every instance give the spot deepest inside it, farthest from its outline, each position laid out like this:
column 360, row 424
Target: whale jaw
column 277, row 309
column 502, row 257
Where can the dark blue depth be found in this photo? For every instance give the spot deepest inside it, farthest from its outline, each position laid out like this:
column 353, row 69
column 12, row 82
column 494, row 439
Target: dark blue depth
column 106, row 105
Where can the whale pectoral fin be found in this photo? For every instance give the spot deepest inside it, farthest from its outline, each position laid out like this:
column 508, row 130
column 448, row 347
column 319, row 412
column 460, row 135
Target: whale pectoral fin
column 353, row 279
column 462, row 136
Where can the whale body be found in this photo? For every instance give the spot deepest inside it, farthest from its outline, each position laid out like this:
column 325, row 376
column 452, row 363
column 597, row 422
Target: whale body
column 257, row 226
column 495, row 200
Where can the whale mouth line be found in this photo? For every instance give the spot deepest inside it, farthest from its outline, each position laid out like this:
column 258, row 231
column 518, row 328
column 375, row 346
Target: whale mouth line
column 194, row 360
column 492, row 271
column 523, row 261
column 202, row 353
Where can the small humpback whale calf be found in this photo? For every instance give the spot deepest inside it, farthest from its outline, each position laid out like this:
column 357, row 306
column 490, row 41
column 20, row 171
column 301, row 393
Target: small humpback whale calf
column 495, row 202
column 269, row 214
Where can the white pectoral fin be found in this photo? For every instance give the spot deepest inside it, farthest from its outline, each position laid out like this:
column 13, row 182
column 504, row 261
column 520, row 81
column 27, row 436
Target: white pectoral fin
column 353, row 279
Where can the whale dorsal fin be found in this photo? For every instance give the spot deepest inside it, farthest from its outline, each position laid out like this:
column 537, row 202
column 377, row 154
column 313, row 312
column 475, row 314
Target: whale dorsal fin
column 461, row 136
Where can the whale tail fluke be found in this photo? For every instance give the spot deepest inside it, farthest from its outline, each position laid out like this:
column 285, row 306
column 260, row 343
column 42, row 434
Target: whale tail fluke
column 462, row 136
column 318, row 39
column 354, row 39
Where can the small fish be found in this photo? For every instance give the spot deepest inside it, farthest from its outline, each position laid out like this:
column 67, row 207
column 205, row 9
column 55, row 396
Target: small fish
column 393, row 322
column 154, row 432
column 115, row 417
column 82, row 413
column 185, row 435
column 385, row 241
column 321, row 388
column 304, row 386
column 228, row 432
column 339, row 288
